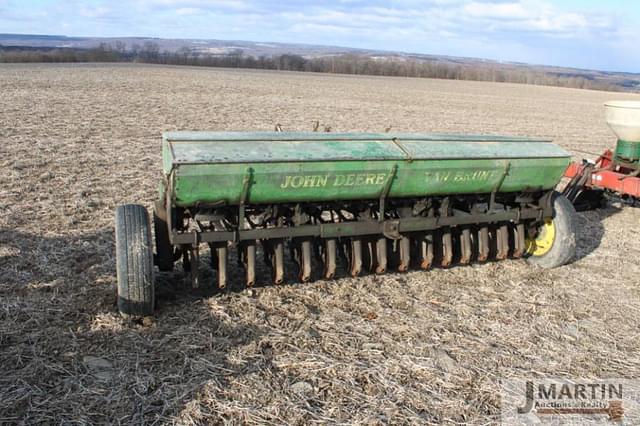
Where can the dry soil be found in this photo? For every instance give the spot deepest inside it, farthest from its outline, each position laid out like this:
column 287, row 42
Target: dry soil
column 422, row 347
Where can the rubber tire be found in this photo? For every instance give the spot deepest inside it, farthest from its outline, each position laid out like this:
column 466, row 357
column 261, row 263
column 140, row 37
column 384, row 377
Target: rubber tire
column 134, row 262
column 164, row 249
column 564, row 244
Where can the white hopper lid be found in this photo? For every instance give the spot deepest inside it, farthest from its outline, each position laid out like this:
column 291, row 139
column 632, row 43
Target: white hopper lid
column 624, row 119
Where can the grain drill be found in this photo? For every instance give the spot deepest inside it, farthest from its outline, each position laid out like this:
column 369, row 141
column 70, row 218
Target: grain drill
column 342, row 204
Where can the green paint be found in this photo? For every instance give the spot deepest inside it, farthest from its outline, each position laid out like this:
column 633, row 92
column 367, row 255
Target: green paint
column 324, row 167
column 627, row 151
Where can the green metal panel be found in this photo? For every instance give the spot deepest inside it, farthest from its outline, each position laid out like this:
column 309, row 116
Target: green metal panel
column 211, row 167
column 278, row 151
column 236, row 147
column 629, row 151
column 443, row 150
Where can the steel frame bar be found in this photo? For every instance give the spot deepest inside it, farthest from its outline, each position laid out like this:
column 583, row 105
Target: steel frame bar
column 357, row 228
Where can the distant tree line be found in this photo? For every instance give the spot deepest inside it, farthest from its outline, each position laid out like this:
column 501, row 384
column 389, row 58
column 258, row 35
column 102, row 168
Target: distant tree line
column 149, row 52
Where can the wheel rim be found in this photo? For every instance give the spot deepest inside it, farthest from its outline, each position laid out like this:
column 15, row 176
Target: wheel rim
column 544, row 239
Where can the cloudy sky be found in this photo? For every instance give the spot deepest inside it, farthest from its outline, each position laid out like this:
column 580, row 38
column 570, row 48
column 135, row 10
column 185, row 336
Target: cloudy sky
column 600, row 34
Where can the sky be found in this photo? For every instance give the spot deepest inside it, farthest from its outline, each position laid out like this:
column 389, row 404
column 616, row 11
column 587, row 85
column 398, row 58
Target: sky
column 595, row 34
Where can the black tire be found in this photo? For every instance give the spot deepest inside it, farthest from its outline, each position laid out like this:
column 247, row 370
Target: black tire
column 164, row 250
column 134, row 261
column 563, row 245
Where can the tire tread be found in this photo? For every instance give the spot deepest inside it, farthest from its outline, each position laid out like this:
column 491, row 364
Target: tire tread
column 134, row 260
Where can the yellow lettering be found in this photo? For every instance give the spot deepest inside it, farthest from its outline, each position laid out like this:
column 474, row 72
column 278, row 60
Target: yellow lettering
column 360, row 179
column 287, row 181
column 350, row 180
column 297, row 181
column 370, row 180
column 442, row 176
column 460, row 175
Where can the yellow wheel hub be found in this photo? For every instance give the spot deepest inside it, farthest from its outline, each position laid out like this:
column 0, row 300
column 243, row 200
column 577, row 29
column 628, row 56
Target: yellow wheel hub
column 544, row 240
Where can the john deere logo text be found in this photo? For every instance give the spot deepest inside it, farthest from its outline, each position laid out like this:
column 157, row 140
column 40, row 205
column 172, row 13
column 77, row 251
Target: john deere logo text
column 316, row 181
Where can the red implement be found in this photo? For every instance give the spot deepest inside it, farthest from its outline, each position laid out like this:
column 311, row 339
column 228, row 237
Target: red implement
column 588, row 179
